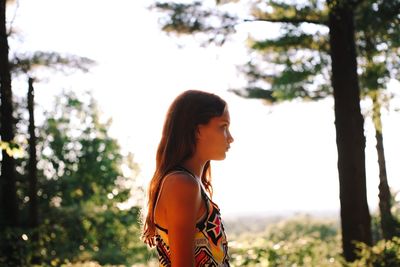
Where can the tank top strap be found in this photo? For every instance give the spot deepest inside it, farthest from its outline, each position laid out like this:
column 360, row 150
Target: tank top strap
column 203, row 192
column 179, row 168
column 200, row 224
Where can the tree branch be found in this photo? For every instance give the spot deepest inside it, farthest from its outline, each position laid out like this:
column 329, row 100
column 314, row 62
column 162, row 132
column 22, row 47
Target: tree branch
column 290, row 20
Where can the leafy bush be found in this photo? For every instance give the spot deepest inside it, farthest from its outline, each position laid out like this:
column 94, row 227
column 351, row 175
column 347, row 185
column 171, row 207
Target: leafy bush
column 383, row 254
column 81, row 189
column 300, row 241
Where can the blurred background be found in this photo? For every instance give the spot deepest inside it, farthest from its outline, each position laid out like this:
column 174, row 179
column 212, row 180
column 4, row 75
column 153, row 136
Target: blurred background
column 91, row 82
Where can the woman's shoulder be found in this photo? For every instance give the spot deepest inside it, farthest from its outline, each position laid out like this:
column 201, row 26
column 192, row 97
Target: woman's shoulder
column 181, row 184
column 180, row 194
column 181, row 187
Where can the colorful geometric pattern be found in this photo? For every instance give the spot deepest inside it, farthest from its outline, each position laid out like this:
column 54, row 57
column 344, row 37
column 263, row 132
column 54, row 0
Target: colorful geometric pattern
column 211, row 245
column 203, row 257
column 163, row 252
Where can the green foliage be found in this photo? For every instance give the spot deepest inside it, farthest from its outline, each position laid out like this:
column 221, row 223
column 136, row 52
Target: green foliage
column 296, row 65
column 304, row 55
column 82, row 192
column 377, row 42
column 86, row 186
column 15, row 239
column 310, row 11
column 377, row 234
column 12, row 148
column 383, row 254
column 80, row 157
column 298, row 241
column 193, row 18
column 292, row 41
column 25, row 63
column 308, row 242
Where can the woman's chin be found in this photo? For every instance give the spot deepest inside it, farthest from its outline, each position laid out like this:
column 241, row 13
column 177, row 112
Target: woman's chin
column 221, row 157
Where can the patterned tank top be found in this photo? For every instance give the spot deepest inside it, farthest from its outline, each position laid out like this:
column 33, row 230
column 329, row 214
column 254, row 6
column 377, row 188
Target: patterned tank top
column 211, row 245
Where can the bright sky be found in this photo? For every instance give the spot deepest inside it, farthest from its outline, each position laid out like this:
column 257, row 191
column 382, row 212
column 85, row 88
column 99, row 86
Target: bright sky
column 283, row 158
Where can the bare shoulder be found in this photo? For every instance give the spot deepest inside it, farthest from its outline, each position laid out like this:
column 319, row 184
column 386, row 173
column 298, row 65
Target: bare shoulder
column 181, row 185
column 182, row 201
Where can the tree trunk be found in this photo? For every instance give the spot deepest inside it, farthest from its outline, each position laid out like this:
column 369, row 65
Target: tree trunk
column 388, row 223
column 355, row 217
column 8, row 196
column 32, row 167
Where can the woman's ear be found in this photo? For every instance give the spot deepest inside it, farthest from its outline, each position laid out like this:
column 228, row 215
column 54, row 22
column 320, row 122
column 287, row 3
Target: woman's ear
column 198, row 132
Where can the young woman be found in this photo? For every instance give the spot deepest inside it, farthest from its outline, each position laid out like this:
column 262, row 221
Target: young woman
column 182, row 221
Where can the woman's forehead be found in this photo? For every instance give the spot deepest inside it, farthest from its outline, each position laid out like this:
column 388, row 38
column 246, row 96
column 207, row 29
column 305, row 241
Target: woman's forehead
column 223, row 118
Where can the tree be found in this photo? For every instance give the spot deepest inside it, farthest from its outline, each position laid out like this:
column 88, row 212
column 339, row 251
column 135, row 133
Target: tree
column 377, row 23
column 8, row 196
column 307, row 76
column 194, row 19
column 32, row 172
column 9, row 216
column 27, row 64
column 306, row 71
column 355, row 217
column 82, row 187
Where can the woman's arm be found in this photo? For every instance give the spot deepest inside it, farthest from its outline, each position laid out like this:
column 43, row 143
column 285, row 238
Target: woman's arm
column 182, row 202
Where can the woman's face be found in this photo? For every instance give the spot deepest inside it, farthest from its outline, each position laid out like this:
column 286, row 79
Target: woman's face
column 214, row 138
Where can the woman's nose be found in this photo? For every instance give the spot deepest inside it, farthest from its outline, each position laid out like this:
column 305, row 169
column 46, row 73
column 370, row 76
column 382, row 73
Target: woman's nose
column 230, row 138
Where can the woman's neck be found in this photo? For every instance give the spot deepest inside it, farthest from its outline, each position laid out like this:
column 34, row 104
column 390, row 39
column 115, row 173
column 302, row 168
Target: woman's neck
column 195, row 166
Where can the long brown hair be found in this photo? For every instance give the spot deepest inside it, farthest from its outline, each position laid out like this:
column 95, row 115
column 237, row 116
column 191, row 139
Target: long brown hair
column 178, row 143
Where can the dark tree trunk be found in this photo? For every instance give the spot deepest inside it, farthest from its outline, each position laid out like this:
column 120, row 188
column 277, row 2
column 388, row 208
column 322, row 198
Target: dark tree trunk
column 388, row 223
column 355, row 217
column 8, row 196
column 33, row 206
column 32, row 167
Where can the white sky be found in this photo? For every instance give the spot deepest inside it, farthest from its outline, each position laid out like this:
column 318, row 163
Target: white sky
column 283, row 158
